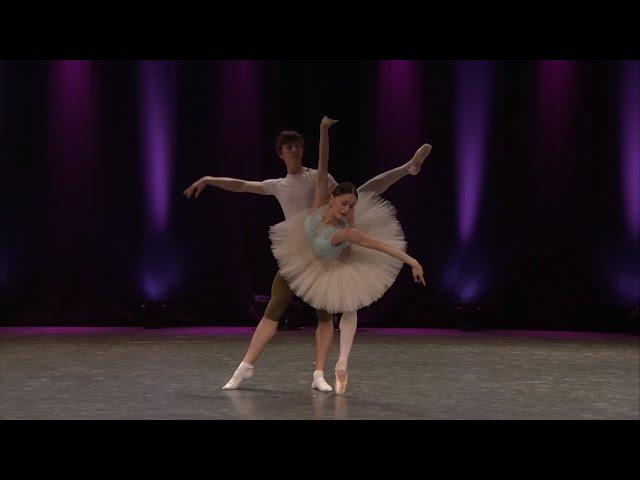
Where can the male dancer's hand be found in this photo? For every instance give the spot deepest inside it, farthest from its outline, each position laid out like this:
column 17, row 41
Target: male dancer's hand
column 198, row 186
column 327, row 122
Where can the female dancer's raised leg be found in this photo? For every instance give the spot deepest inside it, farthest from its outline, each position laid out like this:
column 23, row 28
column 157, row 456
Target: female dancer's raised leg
column 380, row 183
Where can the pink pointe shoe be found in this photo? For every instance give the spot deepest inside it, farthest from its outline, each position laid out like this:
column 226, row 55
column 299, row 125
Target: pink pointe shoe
column 341, row 381
column 415, row 164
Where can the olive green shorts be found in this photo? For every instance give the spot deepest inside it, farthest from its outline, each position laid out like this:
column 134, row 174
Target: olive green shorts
column 281, row 296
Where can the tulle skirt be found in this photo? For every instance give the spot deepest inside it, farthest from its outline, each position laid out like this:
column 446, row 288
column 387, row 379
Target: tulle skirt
column 343, row 284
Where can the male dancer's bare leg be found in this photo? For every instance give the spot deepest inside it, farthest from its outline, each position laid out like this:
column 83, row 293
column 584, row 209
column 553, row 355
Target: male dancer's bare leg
column 281, row 296
column 265, row 331
column 324, row 339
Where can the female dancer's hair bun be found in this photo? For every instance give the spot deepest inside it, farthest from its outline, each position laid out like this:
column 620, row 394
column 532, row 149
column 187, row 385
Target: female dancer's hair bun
column 344, row 188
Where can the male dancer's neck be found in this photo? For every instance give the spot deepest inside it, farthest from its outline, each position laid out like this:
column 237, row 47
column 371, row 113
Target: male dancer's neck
column 294, row 169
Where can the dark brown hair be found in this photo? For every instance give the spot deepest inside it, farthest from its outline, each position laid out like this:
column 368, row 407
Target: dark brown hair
column 344, row 188
column 288, row 136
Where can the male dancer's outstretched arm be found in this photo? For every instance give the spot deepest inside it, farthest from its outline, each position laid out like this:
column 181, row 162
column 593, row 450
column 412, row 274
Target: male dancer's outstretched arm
column 224, row 183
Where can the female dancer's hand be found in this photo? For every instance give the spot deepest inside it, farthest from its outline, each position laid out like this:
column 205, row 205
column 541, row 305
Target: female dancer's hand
column 327, row 122
column 344, row 254
column 418, row 273
column 196, row 187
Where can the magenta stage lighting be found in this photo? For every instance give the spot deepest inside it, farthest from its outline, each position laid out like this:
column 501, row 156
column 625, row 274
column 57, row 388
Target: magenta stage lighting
column 159, row 275
column 472, row 112
column 554, row 156
column 157, row 125
column 69, row 140
column 628, row 286
column 620, row 273
column 239, row 152
column 630, row 139
column 157, row 95
column 556, row 87
column 399, row 113
column 69, row 134
column 625, row 270
column 240, row 111
column 161, row 272
column 70, row 173
column 5, row 257
column 465, row 275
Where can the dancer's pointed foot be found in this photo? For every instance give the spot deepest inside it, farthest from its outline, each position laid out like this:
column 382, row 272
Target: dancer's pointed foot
column 415, row 164
column 243, row 372
column 319, row 383
column 341, row 381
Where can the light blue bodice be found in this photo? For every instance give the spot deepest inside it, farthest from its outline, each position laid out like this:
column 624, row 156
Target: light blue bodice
column 320, row 235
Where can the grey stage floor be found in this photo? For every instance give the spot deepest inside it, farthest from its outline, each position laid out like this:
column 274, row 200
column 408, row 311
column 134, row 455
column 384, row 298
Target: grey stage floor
column 129, row 373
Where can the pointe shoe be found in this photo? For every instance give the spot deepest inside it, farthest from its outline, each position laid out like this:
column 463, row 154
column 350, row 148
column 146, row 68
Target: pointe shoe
column 415, row 164
column 341, row 384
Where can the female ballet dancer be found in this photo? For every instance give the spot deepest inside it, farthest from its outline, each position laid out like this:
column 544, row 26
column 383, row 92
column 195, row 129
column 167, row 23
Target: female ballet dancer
column 309, row 248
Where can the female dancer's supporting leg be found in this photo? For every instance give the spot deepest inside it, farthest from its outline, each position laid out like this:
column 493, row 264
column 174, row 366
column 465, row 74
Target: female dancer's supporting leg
column 349, row 321
column 348, row 325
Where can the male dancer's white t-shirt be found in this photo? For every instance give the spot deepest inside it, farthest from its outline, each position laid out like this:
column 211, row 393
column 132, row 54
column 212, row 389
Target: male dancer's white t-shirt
column 295, row 192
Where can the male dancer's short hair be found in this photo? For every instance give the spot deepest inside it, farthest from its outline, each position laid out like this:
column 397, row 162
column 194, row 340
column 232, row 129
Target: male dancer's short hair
column 288, row 136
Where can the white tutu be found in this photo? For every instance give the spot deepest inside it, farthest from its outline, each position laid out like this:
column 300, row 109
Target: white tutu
column 341, row 285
